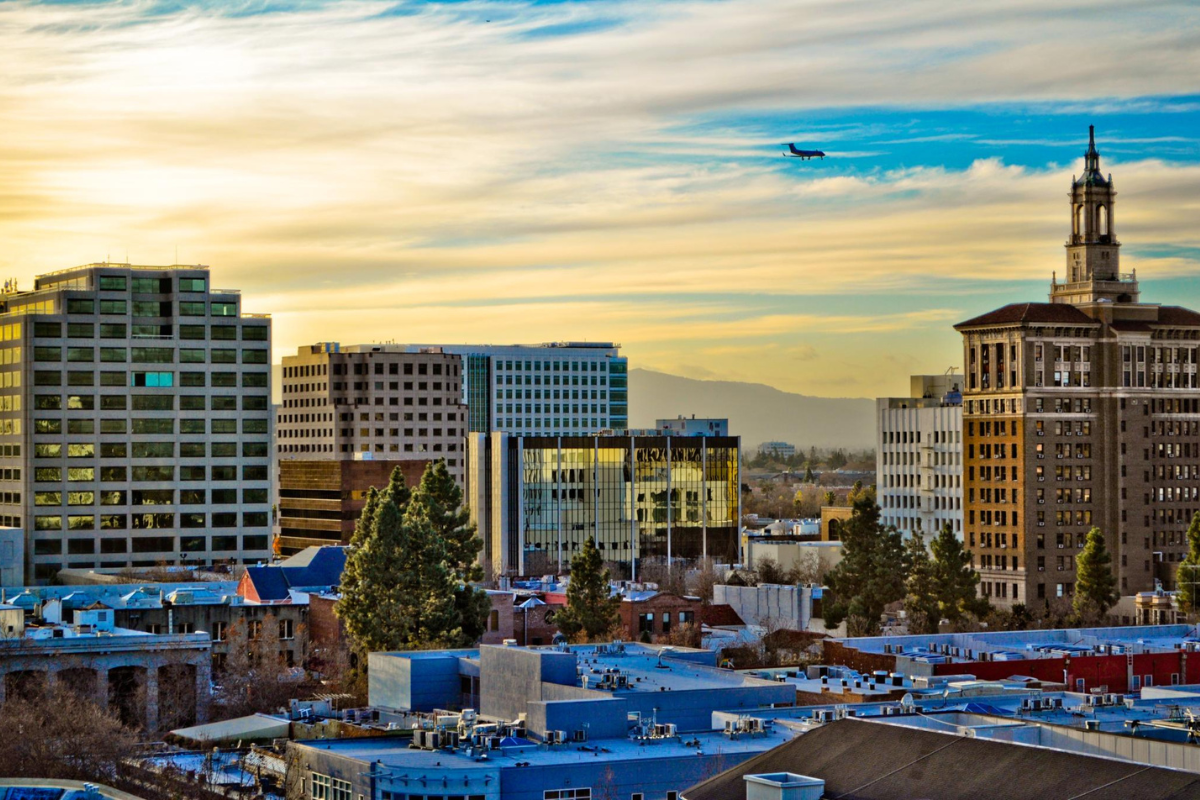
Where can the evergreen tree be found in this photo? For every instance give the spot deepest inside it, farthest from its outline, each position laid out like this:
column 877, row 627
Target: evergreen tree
column 591, row 610
column 1187, row 575
column 798, row 502
column 830, row 498
column 921, row 602
column 808, row 473
column 377, row 581
column 441, row 497
column 956, row 581
column 1095, row 585
column 872, row 571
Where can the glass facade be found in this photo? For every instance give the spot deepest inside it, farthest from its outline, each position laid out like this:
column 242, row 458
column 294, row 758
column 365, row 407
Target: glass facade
column 478, row 386
column 638, row 497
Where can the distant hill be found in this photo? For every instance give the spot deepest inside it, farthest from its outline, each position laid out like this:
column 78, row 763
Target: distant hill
column 756, row 412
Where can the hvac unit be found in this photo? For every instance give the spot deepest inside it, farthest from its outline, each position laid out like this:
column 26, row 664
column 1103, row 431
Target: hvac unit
column 433, row 740
column 669, row 729
column 825, row 715
column 580, row 735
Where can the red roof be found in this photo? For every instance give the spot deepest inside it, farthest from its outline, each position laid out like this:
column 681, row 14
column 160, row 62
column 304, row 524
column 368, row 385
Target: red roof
column 1178, row 315
column 722, row 614
column 1060, row 313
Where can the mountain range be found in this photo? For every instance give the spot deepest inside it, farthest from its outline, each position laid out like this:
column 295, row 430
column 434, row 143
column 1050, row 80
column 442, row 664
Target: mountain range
column 756, row 412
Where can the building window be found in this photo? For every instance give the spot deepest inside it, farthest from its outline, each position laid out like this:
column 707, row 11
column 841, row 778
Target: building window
column 321, row 785
column 582, row 793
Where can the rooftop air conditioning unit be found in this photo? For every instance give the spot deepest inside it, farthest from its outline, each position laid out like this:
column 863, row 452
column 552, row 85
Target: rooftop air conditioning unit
column 580, row 735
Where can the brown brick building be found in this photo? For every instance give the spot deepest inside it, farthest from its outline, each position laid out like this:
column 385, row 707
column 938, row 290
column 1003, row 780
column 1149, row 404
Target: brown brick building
column 320, row 501
column 1080, row 412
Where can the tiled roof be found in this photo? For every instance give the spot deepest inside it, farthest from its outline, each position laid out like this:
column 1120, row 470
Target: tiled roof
column 1061, row 313
column 867, row 760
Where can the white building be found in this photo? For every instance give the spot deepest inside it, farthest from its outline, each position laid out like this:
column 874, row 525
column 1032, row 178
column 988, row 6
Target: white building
column 918, row 450
column 777, row 449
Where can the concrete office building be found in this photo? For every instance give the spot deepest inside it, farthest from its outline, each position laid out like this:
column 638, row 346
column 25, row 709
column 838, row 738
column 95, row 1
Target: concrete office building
column 134, row 420
column 552, row 389
column 1081, row 412
column 918, row 456
column 372, row 402
column 535, row 499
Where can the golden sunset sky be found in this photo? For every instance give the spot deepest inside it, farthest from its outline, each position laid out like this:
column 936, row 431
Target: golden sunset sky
column 528, row 172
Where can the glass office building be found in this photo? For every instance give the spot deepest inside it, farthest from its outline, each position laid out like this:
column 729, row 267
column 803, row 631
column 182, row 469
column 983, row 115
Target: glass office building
column 536, row 499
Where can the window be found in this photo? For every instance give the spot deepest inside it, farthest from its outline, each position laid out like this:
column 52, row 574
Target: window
column 224, row 403
column 152, row 285
column 153, row 449
column 151, row 308
column 154, row 473
column 112, row 283
column 191, row 426
column 224, row 309
column 191, row 403
column 191, row 309
column 254, row 356
column 113, row 354
column 81, row 306
column 153, row 355
column 320, row 786
column 223, row 356
column 582, row 793
column 191, row 356
column 191, row 331
column 153, row 402
column 152, row 379
column 113, row 307
column 226, row 379
column 192, row 284
column 114, row 450
column 254, row 333
column 81, row 450
column 223, row 332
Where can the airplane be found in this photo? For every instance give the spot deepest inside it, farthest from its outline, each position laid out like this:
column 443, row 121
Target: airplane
column 803, row 154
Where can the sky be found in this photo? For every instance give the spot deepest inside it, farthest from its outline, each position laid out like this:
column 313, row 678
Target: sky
column 508, row 172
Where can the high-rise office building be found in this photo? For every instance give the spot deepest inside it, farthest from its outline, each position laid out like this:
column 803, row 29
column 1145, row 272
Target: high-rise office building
column 536, row 499
column 554, row 389
column 371, row 401
column 1081, row 412
column 918, row 456
column 135, row 420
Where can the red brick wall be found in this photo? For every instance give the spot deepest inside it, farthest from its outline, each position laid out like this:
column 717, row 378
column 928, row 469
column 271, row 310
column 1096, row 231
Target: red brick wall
column 836, row 653
column 325, row 630
column 1096, row 671
column 657, row 605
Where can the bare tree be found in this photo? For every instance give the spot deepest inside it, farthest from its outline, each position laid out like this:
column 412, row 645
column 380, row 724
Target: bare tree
column 769, row 571
column 806, row 569
column 58, row 734
column 255, row 676
column 704, row 579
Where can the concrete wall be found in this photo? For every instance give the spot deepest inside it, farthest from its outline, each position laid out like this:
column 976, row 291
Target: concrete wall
column 789, row 605
column 419, row 683
column 511, row 677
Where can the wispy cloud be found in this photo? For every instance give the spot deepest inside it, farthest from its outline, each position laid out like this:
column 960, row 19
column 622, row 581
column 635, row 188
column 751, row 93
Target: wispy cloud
column 523, row 171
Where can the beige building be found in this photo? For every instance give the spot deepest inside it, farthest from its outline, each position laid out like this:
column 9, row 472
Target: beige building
column 1081, row 412
column 918, row 456
column 372, row 402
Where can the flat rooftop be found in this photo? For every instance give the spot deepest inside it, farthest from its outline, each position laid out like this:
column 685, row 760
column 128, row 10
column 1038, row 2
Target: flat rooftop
column 1023, row 645
column 395, row 752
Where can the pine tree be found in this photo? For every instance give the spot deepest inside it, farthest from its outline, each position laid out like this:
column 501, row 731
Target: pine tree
column 442, row 499
column 378, row 581
column 1095, row 585
column 1187, row 575
column 921, row 602
column 591, row 609
column 872, row 571
column 956, row 580
column 808, row 473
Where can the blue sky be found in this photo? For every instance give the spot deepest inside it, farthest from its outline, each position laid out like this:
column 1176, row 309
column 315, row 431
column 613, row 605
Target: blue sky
column 611, row 170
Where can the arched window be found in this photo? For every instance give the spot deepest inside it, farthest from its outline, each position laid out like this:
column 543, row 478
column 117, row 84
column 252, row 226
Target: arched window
column 1079, row 220
column 1102, row 213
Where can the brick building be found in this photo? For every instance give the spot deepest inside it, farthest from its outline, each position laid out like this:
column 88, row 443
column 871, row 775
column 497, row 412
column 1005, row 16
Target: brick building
column 1080, row 412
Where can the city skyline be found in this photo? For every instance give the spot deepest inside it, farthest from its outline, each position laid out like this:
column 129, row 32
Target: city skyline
column 508, row 173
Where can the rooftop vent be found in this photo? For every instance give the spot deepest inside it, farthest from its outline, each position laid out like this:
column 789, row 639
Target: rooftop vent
column 783, row 786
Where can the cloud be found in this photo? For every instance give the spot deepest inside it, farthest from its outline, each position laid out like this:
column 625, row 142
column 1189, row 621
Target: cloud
column 415, row 171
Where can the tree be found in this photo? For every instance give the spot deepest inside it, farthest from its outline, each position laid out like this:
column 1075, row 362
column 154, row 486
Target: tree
column 830, row 498
column 955, row 579
column 921, row 602
column 769, row 571
column 798, row 502
column 872, row 572
column 591, row 609
column 59, row 735
column 255, row 676
column 442, row 500
column 407, row 579
column 1095, row 585
column 808, row 473
column 1188, row 573
column 375, row 582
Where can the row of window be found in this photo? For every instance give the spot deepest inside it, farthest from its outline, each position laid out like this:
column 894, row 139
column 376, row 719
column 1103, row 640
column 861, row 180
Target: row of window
column 149, row 521
column 150, row 355
column 144, row 285
column 110, row 546
column 249, row 380
column 148, row 402
column 148, row 474
column 141, row 497
column 148, row 425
